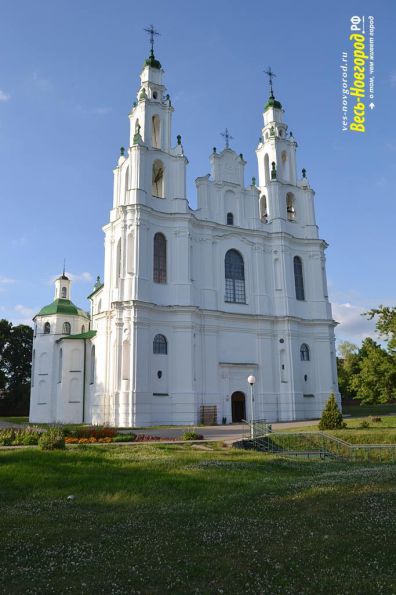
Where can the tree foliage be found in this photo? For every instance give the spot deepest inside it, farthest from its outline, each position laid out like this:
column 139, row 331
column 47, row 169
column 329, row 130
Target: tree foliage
column 385, row 324
column 15, row 367
column 331, row 416
column 375, row 378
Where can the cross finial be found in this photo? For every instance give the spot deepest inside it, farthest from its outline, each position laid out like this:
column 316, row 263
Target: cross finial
column 227, row 136
column 64, row 266
column 270, row 75
column 151, row 31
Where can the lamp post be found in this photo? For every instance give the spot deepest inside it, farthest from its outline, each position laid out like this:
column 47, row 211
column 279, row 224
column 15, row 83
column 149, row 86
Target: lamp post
column 251, row 380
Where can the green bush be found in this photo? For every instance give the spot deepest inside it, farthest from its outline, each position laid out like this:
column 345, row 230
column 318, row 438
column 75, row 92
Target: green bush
column 53, row 438
column 331, row 416
column 364, row 424
column 7, row 437
column 26, row 437
column 190, row 435
column 124, row 438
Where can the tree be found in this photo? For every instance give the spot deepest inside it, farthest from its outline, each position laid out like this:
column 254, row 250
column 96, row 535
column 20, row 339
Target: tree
column 15, row 367
column 347, row 367
column 375, row 380
column 331, row 416
column 385, row 324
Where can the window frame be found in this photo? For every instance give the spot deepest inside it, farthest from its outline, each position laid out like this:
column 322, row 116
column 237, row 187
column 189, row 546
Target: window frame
column 160, row 344
column 235, row 283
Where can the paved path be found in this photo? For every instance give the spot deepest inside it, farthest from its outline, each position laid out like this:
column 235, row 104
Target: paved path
column 228, row 433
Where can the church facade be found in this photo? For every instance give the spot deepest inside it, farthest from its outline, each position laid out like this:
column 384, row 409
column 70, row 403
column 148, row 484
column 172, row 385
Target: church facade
column 193, row 301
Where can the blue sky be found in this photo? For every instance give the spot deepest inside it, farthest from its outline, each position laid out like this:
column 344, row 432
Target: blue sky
column 69, row 72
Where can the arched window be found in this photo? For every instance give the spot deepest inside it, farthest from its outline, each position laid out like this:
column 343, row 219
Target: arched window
column 66, row 328
column 127, row 179
column 118, row 262
column 304, row 353
column 47, row 328
column 83, row 328
column 156, row 132
column 157, row 186
column 298, row 278
column 159, row 272
column 63, row 293
column 266, row 169
column 263, row 208
column 160, row 345
column 290, row 207
column 234, row 278
column 230, row 219
column 60, row 365
column 285, row 167
column 92, row 366
column 99, row 306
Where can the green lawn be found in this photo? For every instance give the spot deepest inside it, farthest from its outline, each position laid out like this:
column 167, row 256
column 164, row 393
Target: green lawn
column 174, row 519
column 15, row 420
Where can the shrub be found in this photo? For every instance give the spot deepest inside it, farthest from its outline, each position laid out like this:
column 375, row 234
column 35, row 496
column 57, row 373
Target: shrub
column 7, row 437
column 52, row 439
column 94, row 432
column 124, row 438
column 331, row 416
column 26, row 437
column 190, row 435
column 376, row 419
column 364, row 424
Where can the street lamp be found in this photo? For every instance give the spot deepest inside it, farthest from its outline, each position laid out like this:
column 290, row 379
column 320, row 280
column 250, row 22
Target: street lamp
column 251, row 380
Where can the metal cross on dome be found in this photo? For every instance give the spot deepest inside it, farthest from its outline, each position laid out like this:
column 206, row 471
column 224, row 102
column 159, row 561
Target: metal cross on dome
column 270, row 75
column 151, row 31
column 227, row 136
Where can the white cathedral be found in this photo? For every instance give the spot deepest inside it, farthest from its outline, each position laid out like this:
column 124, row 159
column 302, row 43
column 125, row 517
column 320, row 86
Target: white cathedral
column 194, row 301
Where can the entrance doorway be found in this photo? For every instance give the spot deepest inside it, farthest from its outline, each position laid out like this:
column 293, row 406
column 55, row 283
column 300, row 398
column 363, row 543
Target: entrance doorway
column 238, row 406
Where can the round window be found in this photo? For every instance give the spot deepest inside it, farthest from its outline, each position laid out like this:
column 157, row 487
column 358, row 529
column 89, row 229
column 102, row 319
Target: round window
column 155, row 94
column 159, row 374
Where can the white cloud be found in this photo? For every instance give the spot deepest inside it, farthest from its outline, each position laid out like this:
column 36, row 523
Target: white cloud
column 4, row 96
column 392, row 78
column 42, row 83
column 4, row 282
column 25, row 311
column 352, row 325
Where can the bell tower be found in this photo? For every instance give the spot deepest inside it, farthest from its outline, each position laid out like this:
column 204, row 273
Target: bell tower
column 284, row 198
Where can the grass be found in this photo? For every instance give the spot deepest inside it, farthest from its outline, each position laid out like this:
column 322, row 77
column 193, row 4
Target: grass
column 15, row 420
column 173, row 519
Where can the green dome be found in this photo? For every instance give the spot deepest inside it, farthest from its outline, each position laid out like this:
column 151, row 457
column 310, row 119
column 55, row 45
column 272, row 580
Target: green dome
column 272, row 102
column 151, row 61
column 61, row 306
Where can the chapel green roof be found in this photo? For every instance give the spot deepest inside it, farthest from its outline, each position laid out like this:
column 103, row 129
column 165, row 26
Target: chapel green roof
column 62, row 306
column 272, row 102
column 86, row 335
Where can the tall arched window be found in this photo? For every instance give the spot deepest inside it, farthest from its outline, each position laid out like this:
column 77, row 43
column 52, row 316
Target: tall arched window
column 263, row 209
column 304, row 353
column 159, row 270
column 60, row 365
column 63, row 293
column 156, row 132
column 160, row 345
column 234, row 278
column 157, row 187
column 266, row 169
column 47, row 328
column 66, row 328
column 92, row 366
column 118, row 262
column 290, row 207
column 298, row 278
column 230, row 219
column 83, row 328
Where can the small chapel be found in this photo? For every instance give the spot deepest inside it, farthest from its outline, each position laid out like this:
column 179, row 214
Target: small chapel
column 194, row 301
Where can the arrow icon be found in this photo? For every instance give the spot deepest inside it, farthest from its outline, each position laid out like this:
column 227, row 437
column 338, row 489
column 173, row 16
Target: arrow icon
column 371, row 105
